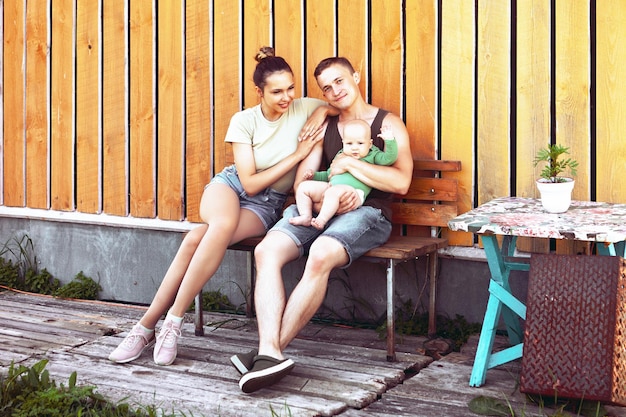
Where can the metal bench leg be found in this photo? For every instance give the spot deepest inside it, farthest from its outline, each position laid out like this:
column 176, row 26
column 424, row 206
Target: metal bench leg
column 199, row 319
column 250, row 284
column 432, row 299
column 391, row 326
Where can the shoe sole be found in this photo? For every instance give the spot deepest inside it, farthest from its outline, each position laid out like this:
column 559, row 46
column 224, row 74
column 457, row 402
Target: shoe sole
column 243, row 361
column 166, row 363
column 241, row 368
column 136, row 356
column 255, row 380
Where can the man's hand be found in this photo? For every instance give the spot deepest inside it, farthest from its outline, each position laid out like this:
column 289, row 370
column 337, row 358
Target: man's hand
column 348, row 201
column 340, row 164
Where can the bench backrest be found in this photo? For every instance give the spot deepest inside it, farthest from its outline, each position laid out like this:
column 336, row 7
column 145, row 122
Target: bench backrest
column 431, row 200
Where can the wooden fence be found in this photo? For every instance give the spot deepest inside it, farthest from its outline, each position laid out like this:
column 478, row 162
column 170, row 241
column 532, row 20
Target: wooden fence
column 120, row 107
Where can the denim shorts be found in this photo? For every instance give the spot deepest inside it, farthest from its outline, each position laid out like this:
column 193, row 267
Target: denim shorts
column 357, row 231
column 267, row 205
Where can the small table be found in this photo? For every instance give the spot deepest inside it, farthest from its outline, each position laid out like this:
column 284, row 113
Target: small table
column 510, row 217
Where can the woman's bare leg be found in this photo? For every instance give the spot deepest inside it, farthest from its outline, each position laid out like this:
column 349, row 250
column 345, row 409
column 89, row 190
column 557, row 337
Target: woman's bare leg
column 202, row 251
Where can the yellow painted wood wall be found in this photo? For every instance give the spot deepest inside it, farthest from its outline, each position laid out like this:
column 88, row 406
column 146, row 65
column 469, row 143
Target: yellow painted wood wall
column 120, row 107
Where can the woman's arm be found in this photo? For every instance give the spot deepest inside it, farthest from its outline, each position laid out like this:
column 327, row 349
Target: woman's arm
column 254, row 182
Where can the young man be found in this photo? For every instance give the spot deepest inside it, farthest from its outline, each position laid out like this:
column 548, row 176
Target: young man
column 346, row 237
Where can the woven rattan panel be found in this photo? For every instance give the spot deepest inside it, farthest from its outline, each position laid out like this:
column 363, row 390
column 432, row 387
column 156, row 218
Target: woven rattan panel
column 575, row 334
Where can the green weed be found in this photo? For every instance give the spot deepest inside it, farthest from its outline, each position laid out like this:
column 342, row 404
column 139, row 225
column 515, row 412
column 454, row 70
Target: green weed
column 29, row 391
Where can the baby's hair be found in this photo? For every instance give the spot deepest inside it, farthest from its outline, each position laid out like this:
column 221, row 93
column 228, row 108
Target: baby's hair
column 359, row 124
column 268, row 63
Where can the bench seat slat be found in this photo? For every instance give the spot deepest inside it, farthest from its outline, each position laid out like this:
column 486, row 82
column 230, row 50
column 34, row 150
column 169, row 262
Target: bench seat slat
column 404, row 248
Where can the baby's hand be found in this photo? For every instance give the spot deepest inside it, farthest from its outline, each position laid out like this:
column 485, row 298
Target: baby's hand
column 386, row 132
column 308, row 174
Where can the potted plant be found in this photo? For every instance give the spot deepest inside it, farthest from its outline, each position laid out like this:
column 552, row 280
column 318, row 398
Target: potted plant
column 555, row 189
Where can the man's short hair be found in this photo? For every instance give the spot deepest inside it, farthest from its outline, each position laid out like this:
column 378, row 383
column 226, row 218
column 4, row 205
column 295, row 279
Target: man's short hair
column 327, row 62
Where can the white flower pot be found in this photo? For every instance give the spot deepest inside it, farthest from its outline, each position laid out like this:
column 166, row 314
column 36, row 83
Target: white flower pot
column 556, row 197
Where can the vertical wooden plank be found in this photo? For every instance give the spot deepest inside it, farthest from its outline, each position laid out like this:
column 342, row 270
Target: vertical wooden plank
column 420, row 84
column 13, row 96
column 87, row 107
column 256, row 21
column 573, row 86
column 288, row 33
column 386, row 58
column 198, row 104
column 421, row 69
column 494, row 94
column 610, row 106
column 352, row 38
column 62, row 106
column 533, row 100
column 114, row 108
column 572, row 74
column 320, row 39
column 227, row 55
column 142, row 129
column 169, row 109
column 457, row 99
column 37, row 50
column 1, row 103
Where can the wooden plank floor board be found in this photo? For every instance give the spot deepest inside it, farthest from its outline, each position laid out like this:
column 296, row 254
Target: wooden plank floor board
column 339, row 371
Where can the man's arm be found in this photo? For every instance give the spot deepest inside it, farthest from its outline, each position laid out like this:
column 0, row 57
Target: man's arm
column 393, row 179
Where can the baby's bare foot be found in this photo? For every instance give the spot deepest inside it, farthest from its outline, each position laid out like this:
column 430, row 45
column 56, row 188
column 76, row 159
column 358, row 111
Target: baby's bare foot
column 318, row 223
column 300, row 220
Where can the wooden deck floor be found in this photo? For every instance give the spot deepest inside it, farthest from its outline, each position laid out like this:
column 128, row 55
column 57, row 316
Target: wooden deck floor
column 339, row 371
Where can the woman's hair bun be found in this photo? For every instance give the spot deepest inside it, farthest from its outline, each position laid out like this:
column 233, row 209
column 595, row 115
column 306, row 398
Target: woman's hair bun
column 264, row 52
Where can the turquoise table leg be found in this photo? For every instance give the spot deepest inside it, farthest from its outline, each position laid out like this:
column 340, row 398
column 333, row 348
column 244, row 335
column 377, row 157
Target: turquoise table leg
column 500, row 271
column 485, row 343
column 611, row 249
column 501, row 301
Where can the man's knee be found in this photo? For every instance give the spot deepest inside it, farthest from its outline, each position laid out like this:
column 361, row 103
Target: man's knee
column 276, row 248
column 326, row 254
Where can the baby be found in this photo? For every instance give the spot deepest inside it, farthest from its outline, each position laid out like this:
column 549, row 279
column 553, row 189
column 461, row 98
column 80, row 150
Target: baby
column 357, row 143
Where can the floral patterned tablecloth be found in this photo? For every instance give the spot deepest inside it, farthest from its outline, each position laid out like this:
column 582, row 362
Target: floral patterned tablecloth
column 517, row 216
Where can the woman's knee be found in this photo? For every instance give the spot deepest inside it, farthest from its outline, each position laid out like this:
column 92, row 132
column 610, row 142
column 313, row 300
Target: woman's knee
column 193, row 237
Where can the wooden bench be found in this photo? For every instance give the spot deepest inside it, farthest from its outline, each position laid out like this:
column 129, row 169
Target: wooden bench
column 417, row 218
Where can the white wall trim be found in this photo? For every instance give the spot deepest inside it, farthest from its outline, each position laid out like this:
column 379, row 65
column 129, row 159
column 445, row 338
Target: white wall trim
column 96, row 219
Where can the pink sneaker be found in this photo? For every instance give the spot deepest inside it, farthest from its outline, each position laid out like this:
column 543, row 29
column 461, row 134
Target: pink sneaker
column 166, row 344
column 132, row 346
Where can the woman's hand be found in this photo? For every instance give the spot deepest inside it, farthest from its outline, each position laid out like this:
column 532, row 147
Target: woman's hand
column 316, row 122
column 307, row 144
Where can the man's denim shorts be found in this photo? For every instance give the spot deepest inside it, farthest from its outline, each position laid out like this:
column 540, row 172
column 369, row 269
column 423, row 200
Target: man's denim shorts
column 358, row 230
column 267, row 205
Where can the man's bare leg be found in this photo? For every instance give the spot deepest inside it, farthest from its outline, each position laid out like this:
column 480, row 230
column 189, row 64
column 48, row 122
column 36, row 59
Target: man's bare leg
column 274, row 252
column 326, row 254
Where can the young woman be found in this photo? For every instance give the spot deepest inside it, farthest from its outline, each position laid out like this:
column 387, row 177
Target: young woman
column 244, row 200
